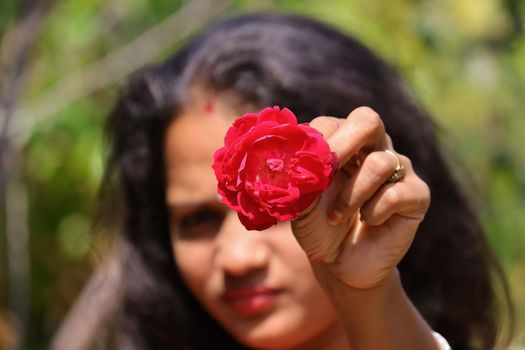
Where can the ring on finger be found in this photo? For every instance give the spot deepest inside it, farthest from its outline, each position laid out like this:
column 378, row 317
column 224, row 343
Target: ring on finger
column 399, row 170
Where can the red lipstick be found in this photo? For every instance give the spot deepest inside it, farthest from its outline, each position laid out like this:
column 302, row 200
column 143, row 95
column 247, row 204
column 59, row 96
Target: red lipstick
column 251, row 300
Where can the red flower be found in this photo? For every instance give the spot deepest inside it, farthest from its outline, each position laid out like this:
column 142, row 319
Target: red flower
column 271, row 168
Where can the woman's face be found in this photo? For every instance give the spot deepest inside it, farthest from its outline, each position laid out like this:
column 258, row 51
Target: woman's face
column 258, row 285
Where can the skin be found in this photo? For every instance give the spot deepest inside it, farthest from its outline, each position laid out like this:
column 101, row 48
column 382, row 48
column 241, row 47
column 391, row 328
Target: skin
column 340, row 255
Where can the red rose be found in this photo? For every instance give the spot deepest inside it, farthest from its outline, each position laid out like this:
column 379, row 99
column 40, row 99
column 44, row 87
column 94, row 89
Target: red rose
column 271, row 168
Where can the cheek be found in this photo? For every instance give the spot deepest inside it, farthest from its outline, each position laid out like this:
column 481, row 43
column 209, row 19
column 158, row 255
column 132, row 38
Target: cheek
column 291, row 254
column 194, row 260
column 299, row 274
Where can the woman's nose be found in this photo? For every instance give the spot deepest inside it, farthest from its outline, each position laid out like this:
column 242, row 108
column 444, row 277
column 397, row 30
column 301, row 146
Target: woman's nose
column 240, row 251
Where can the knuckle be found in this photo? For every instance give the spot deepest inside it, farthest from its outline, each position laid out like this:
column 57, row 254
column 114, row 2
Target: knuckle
column 371, row 119
column 389, row 139
column 366, row 111
column 407, row 163
column 325, row 125
column 378, row 164
column 419, row 193
column 321, row 120
column 392, row 197
column 424, row 194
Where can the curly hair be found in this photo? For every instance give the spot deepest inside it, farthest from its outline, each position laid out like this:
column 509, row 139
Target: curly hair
column 449, row 273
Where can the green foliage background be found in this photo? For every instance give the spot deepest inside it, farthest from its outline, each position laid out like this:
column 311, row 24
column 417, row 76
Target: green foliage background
column 463, row 59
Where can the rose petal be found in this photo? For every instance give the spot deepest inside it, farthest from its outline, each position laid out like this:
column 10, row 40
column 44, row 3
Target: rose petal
column 240, row 127
column 274, row 114
column 271, row 168
column 218, row 157
column 258, row 225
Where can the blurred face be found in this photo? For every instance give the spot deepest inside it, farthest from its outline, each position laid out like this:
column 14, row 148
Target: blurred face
column 258, row 285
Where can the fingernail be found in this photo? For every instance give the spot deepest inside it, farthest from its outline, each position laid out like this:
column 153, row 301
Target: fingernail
column 335, row 217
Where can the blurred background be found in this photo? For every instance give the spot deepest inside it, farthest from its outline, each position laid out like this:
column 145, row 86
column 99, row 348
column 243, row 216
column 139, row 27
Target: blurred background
column 62, row 62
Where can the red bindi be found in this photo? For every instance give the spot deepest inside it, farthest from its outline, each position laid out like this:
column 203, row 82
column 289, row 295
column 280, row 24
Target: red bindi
column 209, row 107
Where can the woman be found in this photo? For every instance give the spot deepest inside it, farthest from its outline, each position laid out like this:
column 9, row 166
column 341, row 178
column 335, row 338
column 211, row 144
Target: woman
column 195, row 279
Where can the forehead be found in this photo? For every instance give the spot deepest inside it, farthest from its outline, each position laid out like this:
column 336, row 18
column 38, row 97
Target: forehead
column 191, row 139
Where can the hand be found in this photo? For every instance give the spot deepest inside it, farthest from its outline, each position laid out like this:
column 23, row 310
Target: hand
column 361, row 227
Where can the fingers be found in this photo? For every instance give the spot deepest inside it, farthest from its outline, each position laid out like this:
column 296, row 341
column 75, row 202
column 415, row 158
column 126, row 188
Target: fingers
column 374, row 171
column 409, row 198
column 362, row 130
column 359, row 142
column 366, row 191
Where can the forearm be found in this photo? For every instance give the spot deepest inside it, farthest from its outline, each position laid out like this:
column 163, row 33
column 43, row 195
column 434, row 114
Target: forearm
column 379, row 318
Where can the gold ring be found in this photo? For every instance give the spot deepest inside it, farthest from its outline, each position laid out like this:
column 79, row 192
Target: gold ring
column 399, row 170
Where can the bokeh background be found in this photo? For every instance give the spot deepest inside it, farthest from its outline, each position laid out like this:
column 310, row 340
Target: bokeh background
column 62, row 62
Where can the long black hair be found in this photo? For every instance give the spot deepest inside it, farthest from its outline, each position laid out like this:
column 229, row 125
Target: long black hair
column 449, row 273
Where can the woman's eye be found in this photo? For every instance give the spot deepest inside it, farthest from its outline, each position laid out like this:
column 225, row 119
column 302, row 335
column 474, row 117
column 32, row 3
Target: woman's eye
column 199, row 223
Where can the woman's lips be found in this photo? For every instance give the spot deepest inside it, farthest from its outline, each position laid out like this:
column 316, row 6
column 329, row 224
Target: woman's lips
column 251, row 300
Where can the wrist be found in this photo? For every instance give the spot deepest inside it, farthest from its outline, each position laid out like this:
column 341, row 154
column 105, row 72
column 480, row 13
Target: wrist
column 380, row 317
column 379, row 295
column 356, row 279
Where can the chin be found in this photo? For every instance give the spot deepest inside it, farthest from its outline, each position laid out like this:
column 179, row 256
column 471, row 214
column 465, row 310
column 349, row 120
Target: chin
column 271, row 342
column 273, row 332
